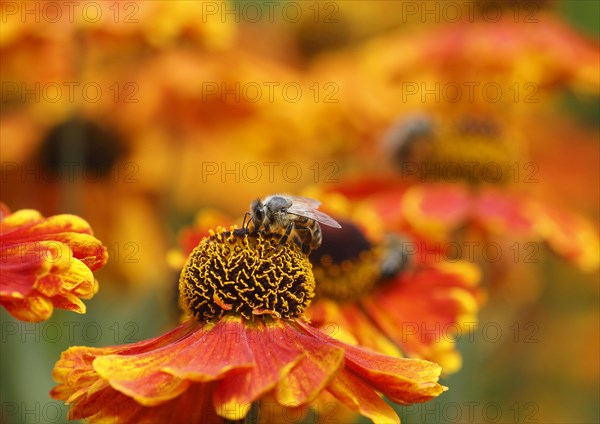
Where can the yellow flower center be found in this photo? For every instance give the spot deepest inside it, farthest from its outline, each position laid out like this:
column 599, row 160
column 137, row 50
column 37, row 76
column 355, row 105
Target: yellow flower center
column 473, row 151
column 234, row 272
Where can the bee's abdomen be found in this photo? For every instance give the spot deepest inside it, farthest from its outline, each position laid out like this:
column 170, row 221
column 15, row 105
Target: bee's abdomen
column 317, row 235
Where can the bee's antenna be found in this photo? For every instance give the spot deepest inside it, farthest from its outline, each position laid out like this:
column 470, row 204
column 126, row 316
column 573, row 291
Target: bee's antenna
column 245, row 224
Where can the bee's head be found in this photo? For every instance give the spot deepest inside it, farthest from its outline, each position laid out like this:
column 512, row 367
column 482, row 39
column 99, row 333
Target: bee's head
column 257, row 212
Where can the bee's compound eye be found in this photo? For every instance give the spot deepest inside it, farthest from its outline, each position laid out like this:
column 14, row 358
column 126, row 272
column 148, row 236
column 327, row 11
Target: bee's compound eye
column 259, row 214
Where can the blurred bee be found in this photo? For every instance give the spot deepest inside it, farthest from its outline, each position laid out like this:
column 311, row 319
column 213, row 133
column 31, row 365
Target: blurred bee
column 292, row 216
column 409, row 141
column 396, row 257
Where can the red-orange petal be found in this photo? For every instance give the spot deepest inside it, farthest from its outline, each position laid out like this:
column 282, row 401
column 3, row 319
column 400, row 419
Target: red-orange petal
column 569, row 235
column 402, row 380
column 421, row 312
column 435, row 210
column 210, row 355
column 274, row 357
column 359, row 397
column 312, row 374
column 503, row 213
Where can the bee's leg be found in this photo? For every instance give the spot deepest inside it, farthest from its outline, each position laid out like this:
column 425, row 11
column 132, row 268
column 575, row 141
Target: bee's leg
column 287, row 233
column 246, row 224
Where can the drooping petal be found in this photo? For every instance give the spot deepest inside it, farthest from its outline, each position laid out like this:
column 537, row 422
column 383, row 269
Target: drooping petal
column 30, row 309
column 312, row 374
column 162, row 373
column 274, row 357
column 75, row 370
column 359, row 397
column 422, row 312
column 141, row 378
column 402, row 380
column 569, row 235
column 213, row 354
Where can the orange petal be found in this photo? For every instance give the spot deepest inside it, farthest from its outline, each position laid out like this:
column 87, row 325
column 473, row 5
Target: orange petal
column 31, row 309
column 436, row 210
column 359, row 397
column 109, row 405
column 402, row 380
column 28, row 226
column 274, row 357
column 419, row 312
column 503, row 213
column 569, row 235
column 211, row 355
column 312, row 374
column 138, row 377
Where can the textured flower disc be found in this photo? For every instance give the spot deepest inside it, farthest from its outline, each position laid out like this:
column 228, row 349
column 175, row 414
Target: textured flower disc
column 475, row 151
column 234, row 272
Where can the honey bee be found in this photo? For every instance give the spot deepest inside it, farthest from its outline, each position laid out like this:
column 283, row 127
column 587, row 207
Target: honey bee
column 292, row 216
column 410, row 140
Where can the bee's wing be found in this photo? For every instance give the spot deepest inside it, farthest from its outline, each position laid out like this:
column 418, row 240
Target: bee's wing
column 308, row 202
column 307, row 209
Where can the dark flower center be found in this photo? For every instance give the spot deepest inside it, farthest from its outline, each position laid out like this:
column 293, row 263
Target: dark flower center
column 234, row 272
column 347, row 265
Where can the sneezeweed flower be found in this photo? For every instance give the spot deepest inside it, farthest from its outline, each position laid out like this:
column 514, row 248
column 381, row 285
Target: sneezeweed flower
column 46, row 263
column 247, row 339
column 385, row 291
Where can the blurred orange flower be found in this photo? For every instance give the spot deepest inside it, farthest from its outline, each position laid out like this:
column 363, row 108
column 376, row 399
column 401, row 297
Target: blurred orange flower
column 47, row 263
column 445, row 176
column 247, row 339
column 437, row 211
